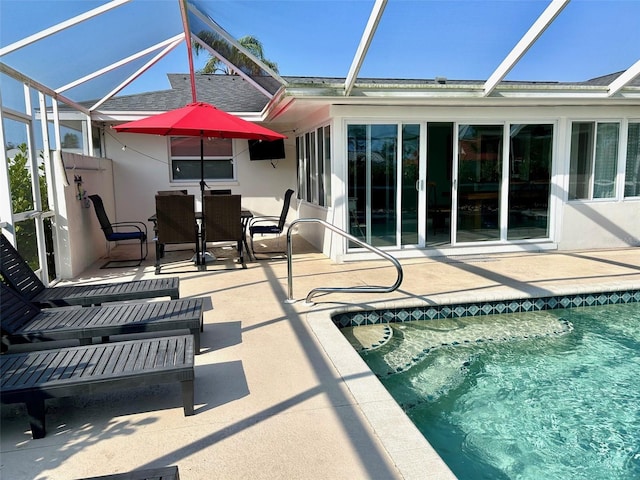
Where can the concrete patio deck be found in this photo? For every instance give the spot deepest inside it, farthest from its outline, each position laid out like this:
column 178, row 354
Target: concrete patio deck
column 279, row 395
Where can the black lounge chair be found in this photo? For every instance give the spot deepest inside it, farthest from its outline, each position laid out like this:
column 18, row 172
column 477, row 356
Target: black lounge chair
column 17, row 273
column 270, row 225
column 160, row 473
column 23, row 322
column 223, row 222
column 120, row 231
column 32, row 377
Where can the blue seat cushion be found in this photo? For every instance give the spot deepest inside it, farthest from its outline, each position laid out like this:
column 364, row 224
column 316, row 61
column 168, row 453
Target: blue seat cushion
column 264, row 229
column 115, row 236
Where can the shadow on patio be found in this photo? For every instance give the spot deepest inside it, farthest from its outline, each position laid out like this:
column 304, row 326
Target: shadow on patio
column 269, row 401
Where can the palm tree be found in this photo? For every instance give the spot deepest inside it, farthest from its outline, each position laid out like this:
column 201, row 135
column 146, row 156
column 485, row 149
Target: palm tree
column 235, row 56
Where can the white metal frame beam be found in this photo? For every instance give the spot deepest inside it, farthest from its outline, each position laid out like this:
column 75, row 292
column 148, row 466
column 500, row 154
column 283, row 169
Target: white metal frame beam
column 627, row 76
column 61, row 26
column 363, row 47
column 40, row 87
column 527, row 40
column 174, row 42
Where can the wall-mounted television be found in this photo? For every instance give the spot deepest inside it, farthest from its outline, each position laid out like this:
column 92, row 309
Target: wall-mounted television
column 265, row 150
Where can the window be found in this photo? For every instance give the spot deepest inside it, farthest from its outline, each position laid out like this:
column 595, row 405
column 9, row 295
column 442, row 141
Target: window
column 314, row 166
column 218, row 157
column 593, row 160
column 632, row 172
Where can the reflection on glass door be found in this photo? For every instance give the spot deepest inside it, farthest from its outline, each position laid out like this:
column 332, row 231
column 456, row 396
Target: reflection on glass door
column 372, row 166
column 410, row 179
column 479, row 179
column 438, row 191
column 529, row 181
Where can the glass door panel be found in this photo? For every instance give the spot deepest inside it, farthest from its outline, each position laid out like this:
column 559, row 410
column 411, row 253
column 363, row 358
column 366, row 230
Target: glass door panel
column 384, row 154
column 357, row 183
column 438, row 191
column 410, row 177
column 372, row 166
column 529, row 181
column 479, row 174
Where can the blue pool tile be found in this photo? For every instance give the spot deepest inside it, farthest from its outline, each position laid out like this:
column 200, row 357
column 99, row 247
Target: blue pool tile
column 346, row 319
column 431, row 313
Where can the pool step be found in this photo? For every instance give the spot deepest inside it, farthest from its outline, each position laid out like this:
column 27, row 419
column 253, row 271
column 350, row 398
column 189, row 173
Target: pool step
column 368, row 337
column 419, row 338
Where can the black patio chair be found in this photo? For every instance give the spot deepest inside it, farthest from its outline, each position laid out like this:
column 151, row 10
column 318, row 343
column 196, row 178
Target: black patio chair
column 172, row 192
column 175, row 224
column 223, row 222
column 218, row 192
column 120, row 231
column 270, row 225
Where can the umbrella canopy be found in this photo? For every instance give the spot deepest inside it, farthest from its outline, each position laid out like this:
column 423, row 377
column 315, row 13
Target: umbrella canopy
column 199, row 119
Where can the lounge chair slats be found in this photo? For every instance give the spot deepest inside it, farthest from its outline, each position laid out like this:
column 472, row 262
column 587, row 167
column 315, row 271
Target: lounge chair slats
column 22, row 322
column 162, row 473
column 17, row 273
column 32, row 377
column 86, row 295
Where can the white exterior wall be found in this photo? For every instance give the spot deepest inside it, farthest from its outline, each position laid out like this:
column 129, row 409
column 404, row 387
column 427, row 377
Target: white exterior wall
column 80, row 239
column 142, row 168
column 598, row 224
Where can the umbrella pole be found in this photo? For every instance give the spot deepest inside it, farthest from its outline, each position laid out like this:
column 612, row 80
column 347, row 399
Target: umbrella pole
column 202, row 261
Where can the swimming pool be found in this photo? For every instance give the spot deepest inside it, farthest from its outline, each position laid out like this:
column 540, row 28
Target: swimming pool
column 487, row 399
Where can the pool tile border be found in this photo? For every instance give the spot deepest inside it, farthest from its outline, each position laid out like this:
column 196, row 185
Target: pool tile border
column 412, row 454
column 479, row 308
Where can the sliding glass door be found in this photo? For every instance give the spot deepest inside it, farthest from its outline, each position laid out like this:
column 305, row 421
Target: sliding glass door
column 499, row 199
column 437, row 184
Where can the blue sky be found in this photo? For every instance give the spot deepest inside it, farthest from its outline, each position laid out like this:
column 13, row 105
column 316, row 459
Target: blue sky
column 457, row 39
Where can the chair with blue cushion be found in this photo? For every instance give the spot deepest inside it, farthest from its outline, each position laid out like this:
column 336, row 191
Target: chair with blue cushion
column 270, row 225
column 120, row 231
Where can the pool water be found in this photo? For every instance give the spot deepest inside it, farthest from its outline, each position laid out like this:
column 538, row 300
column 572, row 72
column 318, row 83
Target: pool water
column 560, row 403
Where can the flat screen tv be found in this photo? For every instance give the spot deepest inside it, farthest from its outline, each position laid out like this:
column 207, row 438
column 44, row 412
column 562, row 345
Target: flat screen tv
column 264, row 150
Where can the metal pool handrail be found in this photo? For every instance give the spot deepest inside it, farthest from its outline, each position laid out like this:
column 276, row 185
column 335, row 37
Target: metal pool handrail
column 315, row 291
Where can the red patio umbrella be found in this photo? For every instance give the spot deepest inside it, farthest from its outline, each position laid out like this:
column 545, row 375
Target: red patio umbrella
column 199, row 119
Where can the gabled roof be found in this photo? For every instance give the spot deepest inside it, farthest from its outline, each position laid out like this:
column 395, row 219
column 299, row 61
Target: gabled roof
column 230, row 93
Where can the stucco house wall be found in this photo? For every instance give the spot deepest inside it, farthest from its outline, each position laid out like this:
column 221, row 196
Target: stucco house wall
column 80, row 239
column 141, row 168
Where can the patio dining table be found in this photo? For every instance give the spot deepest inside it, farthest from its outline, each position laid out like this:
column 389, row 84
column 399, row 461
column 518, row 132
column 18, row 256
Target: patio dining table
column 245, row 216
